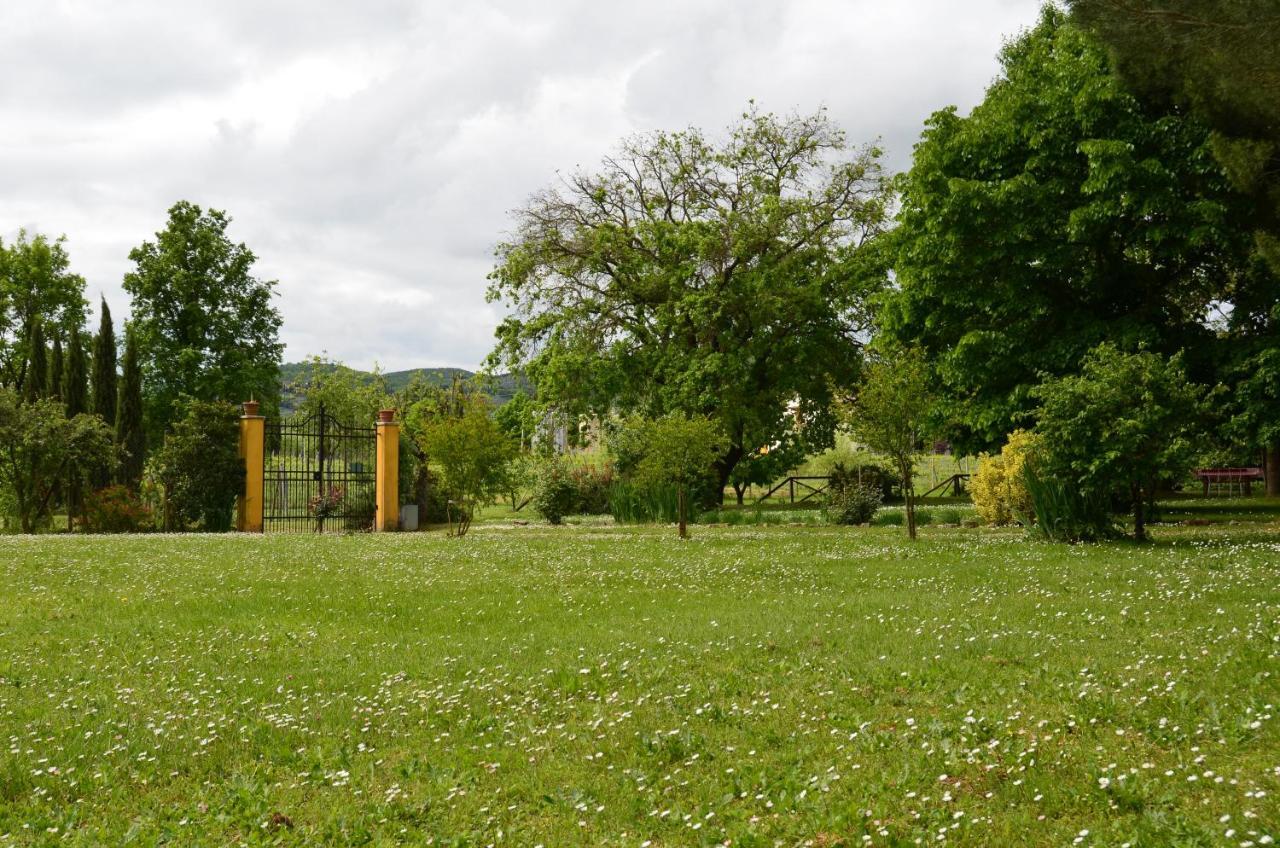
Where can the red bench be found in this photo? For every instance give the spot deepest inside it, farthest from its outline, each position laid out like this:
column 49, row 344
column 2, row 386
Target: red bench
column 1239, row 478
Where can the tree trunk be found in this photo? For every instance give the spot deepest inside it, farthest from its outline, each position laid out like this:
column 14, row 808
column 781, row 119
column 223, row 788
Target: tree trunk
column 680, row 510
column 1139, row 522
column 909, row 496
column 739, row 489
column 1273, row 470
column 724, row 466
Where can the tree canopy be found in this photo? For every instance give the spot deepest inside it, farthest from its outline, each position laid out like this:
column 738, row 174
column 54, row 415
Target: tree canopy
column 206, row 327
column 1062, row 212
column 36, row 287
column 707, row 278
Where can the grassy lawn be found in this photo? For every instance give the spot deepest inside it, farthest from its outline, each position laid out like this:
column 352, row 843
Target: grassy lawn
column 612, row 686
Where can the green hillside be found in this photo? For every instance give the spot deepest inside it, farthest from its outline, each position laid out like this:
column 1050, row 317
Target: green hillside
column 502, row 390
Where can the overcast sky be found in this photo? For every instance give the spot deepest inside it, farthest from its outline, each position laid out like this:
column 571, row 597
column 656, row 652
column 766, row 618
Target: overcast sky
column 369, row 152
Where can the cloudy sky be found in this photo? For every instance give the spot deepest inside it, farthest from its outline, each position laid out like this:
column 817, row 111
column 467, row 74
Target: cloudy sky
column 369, row 152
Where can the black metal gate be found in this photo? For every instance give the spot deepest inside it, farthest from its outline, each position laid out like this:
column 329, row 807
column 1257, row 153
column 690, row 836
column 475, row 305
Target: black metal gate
column 319, row 475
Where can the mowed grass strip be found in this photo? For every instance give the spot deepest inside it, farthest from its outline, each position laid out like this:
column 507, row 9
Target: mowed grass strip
column 602, row 686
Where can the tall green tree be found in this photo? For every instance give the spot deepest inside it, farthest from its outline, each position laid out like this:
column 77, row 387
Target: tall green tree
column 1062, row 212
column 36, row 286
column 104, row 382
column 129, row 433
column 206, row 326
column 56, row 367
column 75, row 386
column 1218, row 58
column 706, row 278
column 36, row 385
column 75, row 400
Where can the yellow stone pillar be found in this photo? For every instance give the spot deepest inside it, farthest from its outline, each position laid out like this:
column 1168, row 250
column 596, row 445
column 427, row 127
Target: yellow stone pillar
column 387, row 481
column 253, row 429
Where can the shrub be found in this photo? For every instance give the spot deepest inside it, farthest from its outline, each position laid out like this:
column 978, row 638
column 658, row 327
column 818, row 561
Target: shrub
column 591, row 489
column 200, row 468
column 632, row 503
column 889, row 518
column 882, row 479
column 114, row 509
column 1065, row 513
column 999, row 486
column 853, row 503
column 554, row 495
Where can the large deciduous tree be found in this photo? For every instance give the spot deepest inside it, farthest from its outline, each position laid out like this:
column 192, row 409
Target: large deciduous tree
column 205, row 325
column 1062, row 212
column 701, row 277
column 36, row 287
column 1220, row 60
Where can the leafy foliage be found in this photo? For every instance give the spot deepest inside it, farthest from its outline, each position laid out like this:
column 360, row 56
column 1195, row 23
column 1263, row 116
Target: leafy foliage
column 206, row 327
column 472, row 453
column 854, row 503
column 114, row 509
column 554, row 495
column 40, row 446
column 698, row 278
column 129, row 434
column 200, row 468
column 36, row 287
column 353, row 397
column 1065, row 512
column 1117, row 427
column 999, row 486
column 680, row 453
column 1062, row 212
column 892, row 413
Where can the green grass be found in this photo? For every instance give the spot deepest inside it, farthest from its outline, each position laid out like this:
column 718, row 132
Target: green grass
column 595, row 685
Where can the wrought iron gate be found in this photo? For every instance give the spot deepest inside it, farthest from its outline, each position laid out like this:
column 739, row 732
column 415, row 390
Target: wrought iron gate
column 318, row 475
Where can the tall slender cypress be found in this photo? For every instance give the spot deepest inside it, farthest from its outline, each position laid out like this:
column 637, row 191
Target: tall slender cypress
column 55, row 370
column 129, row 432
column 104, row 379
column 75, row 398
column 74, row 391
column 35, row 384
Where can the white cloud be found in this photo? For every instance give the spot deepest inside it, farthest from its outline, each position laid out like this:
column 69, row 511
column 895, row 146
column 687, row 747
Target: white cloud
column 369, row 153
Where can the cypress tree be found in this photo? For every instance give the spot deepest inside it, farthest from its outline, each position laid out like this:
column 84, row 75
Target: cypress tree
column 104, row 368
column 74, row 391
column 75, row 399
column 129, row 433
column 36, row 385
column 55, row 369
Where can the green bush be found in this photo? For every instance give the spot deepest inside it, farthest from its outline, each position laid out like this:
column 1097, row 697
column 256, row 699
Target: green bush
column 889, row 518
column 1064, row 513
column 591, row 486
column 632, row 503
column 114, row 509
column 950, row 515
column 853, row 503
column 200, row 468
column 554, row 494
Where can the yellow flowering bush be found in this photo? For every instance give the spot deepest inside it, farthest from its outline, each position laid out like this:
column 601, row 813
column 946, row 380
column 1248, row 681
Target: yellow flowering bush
column 999, row 493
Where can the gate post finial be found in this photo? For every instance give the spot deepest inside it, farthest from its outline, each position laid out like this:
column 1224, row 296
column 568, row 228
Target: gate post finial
column 252, row 449
column 387, row 485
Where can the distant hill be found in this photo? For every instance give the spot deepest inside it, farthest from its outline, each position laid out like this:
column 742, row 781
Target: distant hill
column 504, row 388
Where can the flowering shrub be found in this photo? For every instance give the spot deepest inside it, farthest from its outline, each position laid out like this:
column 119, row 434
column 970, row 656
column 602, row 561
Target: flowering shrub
column 591, row 489
column 323, row 505
column 999, row 486
column 114, row 509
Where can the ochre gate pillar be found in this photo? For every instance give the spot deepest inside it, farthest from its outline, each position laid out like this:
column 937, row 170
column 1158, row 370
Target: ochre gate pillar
column 252, row 445
column 387, row 481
